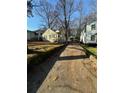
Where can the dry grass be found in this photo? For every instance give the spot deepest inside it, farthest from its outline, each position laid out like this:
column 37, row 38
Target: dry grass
column 41, row 43
column 42, row 48
column 35, row 49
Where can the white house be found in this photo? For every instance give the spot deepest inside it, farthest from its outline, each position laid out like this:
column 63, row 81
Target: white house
column 89, row 33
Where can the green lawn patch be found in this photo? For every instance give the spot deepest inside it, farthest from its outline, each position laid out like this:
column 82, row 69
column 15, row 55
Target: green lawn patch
column 90, row 50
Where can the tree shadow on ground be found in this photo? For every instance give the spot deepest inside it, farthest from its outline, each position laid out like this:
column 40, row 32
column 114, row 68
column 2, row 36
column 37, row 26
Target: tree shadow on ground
column 76, row 48
column 72, row 57
column 38, row 74
column 31, row 51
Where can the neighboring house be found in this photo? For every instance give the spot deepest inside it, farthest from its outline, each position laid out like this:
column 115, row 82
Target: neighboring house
column 61, row 36
column 30, row 35
column 72, row 35
column 34, row 35
column 89, row 33
column 50, row 35
column 39, row 33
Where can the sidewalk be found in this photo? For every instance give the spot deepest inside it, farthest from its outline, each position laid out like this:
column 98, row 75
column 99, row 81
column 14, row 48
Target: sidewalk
column 69, row 75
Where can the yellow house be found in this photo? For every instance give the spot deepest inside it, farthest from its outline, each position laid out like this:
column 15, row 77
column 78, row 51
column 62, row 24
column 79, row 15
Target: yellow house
column 50, row 35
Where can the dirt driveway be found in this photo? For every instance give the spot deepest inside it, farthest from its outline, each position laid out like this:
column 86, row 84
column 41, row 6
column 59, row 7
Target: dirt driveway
column 69, row 74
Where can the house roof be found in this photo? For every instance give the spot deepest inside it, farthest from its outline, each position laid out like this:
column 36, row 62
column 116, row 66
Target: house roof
column 57, row 31
column 49, row 31
column 39, row 30
column 30, row 31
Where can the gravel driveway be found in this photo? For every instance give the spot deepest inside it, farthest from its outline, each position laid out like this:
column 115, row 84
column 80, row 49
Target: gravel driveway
column 69, row 74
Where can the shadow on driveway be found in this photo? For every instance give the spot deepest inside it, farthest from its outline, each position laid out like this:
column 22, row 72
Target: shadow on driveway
column 72, row 57
column 38, row 74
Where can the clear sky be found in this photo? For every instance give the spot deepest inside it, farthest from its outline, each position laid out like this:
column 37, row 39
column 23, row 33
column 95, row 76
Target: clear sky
column 33, row 23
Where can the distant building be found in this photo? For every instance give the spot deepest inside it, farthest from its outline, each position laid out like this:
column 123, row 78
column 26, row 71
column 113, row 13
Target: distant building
column 72, row 35
column 61, row 36
column 50, row 35
column 89, row 33
column 30, row 35
column 34, row 35
column 46, row 35
column 39, row 33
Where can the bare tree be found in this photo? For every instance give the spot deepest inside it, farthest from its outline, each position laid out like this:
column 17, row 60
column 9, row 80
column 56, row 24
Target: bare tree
column 29, row 8
column 65, row 9
column 80, row 11
column 93, row 5
column 92, row 15
column 89, row 18
column 47, row 13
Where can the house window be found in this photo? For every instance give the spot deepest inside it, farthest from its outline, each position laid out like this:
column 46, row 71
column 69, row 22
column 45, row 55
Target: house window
column 93, row 27
column 92, row 37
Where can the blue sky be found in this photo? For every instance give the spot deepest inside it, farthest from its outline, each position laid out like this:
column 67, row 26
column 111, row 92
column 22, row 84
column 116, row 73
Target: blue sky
column 33, row 23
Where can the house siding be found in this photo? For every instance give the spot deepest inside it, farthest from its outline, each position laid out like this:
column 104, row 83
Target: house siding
column 30, row 36
column 50, row 36
column 87, row 34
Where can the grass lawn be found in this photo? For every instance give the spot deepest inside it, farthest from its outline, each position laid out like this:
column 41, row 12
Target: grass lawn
column 90, row 49
column 38, row 52
column 93, row 50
